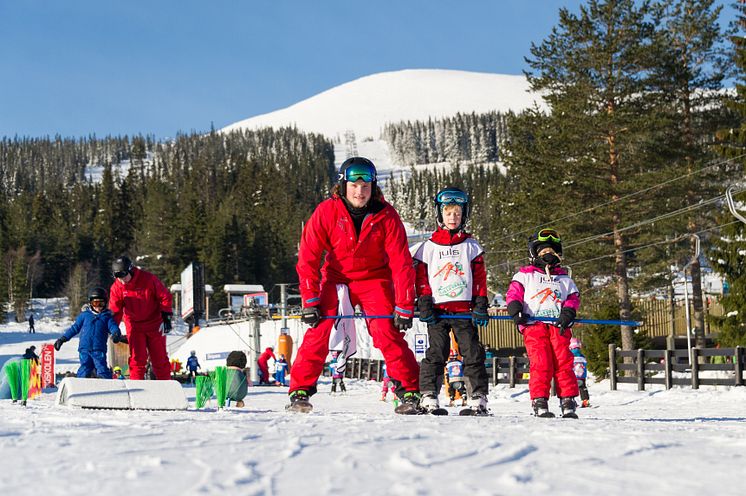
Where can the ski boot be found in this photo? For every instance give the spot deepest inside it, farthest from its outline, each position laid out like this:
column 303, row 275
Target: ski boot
column 429, row 403
column 585, row 404
column 568, row 406
column 410, row 404
column 541, row 408
column 299, row 402
column 477, row 406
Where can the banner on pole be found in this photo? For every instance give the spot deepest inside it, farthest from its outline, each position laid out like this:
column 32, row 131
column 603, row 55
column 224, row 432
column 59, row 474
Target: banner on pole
column 47, row 366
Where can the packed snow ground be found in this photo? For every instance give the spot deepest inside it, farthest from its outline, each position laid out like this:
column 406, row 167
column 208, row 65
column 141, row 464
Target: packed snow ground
column 659, row 442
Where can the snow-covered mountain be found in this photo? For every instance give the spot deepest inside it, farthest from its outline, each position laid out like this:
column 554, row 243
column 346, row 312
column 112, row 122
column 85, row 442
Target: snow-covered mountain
column 365, row 105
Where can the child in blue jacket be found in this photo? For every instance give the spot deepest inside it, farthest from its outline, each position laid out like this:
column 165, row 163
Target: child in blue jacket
column 94, row 325
column 580, row 367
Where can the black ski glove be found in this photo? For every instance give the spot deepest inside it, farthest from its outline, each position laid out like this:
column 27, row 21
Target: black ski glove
column 118, row 337
column 310, row 316
column 166, row 327
column 566, row 319
column 402, row 323
column 427, row 312
column 479, row 315
column 58, row 344
column 515, row 310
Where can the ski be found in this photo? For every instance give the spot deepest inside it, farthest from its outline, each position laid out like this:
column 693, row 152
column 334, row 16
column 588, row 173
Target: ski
column 438, row 411
column 469, row 412
column 544, row 415
column 299, row 407
column 570, row 415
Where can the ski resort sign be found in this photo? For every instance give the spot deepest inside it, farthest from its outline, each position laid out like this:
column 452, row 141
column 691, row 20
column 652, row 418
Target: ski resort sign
column 192, row 292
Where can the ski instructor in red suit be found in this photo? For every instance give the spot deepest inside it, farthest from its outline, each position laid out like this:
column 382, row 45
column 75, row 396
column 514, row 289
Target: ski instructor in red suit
column 145, row 304
column 363, row 244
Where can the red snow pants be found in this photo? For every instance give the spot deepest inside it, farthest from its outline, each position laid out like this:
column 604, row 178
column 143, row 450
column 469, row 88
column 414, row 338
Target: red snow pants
column 144, row 343
column 549, row 358
column 376, row 297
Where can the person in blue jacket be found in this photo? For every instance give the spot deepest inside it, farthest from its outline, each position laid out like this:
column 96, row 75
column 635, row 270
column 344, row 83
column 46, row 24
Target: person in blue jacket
column 94, row 324
column 192, row 366
column 580, row 367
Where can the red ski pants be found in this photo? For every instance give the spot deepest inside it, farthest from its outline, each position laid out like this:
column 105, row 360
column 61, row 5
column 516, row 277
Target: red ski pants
column 549, row 358
column 376, row 297
column 144, row 343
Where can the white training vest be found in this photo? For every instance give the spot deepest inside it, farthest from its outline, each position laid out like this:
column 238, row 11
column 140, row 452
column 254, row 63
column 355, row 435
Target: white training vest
column 449, row 268
column 543, row 295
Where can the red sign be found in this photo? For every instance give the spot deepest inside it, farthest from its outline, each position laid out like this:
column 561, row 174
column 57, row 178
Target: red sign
column 47, row 365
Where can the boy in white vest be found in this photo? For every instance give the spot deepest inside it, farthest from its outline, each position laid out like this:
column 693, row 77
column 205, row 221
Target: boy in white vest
column 452, row 280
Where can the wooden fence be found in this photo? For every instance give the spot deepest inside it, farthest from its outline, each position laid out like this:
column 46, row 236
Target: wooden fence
column 646, row 363
column 660, row 319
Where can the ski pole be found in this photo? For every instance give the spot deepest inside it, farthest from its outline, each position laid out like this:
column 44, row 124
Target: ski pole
column 632, row 323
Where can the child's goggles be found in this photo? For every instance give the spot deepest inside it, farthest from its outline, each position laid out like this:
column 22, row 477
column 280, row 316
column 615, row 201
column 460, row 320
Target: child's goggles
column 356, row 172
column 548, row 235
column 452, row 198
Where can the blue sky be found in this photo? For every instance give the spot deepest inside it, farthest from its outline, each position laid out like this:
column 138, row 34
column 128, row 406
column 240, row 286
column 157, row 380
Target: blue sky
column 80, row 67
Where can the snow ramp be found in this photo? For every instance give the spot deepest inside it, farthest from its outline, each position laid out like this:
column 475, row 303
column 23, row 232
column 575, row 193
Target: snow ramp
column 121, row 394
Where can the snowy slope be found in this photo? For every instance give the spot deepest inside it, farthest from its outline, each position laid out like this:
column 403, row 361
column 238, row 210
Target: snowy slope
column 365, row 105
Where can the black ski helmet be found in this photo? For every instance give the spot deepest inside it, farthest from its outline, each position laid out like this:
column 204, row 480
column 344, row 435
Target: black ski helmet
column 98, row 294
column 121, row 266
column 452, row 196
column 357, row 168
column 541, row 239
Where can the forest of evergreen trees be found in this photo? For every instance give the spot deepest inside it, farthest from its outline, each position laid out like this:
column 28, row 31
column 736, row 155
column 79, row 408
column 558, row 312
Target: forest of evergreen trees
column 235, row 202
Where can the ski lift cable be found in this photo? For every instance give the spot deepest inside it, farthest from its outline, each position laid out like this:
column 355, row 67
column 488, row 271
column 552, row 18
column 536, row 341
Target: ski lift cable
column 625, row 197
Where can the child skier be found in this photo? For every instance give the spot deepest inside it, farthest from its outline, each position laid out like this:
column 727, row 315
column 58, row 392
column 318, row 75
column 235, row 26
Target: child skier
column 192, row 366
column 580, row 366
column 455, row 379
column 281, row 367
column 544, row 289
column 451, row 279
column 386, row 384
column 94, row 324
column 337, row 376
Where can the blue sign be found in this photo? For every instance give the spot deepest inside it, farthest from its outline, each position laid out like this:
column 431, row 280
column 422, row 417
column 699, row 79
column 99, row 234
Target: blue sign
column 217, row 356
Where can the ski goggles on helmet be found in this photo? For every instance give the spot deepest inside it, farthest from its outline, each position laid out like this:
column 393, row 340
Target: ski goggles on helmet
column 356, row 172
column 121, row 274
column 452, row 198
column 548, row 235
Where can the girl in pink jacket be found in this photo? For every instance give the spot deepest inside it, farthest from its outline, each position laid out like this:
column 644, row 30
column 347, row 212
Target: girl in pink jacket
column 544, row 289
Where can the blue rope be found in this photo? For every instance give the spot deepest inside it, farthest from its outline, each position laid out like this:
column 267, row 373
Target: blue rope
column 631, row 323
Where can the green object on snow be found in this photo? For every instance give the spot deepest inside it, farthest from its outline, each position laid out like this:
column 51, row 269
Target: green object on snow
column 204, row 390
column 220, row 380
column 25, row 378
column 13, row 374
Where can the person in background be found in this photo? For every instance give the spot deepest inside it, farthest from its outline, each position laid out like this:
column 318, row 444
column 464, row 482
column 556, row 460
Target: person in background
column 94, row 324
column 281, row 367
column 237, row 377
column 338, row 378
column 544, row 289
column 143, row 302
column 30, row 354
column 117, row 373
column 386, row 383
column 363, row 245
column 262, row 364
column 31, row 328
column 192, row 365
column 454, row 373
column 580, row 367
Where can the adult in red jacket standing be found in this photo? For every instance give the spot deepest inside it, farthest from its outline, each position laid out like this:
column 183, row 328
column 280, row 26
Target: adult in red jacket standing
column 261, row 362
column 144, row 303
column 364, row 246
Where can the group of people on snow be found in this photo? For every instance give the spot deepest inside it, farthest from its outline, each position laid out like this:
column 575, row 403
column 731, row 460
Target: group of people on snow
column 366, row 260
column 363, row 245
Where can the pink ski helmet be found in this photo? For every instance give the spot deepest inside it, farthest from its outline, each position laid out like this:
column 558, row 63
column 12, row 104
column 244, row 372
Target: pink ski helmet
column 575, row 343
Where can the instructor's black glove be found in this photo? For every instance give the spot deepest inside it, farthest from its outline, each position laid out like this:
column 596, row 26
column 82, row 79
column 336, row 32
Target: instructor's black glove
column 479, row 314
column 427, row 312
column 166, row 326
column 566, row 319
column 58, row 344
column 515, row 310
column 310, row 316
column 118, row 337
column 402, row 323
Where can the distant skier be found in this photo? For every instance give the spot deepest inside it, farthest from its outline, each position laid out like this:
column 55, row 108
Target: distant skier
column 544, row 289
column 31, row 328
column 452, row 279
column 454, row 372
column 580, row 366
column 192, row 365
column 94, row 324
column 386, row 383
column 281, row 368
column 263, row 365
column 30, row 354
column 338, row 378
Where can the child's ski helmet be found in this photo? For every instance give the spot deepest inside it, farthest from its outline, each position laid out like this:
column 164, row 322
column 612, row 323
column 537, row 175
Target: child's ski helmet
column 452, row 196
column 354, row 169
column 541, row 239
column 575, row 343
column 98, row 294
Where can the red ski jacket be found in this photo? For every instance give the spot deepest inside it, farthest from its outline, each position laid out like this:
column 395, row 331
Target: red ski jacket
column 139, row 301
column 380, row 252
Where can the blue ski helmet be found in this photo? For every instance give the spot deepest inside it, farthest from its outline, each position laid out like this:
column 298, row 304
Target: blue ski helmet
column 452, row 196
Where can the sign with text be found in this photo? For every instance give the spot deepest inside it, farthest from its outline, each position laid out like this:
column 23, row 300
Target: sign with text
column 47, row 366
